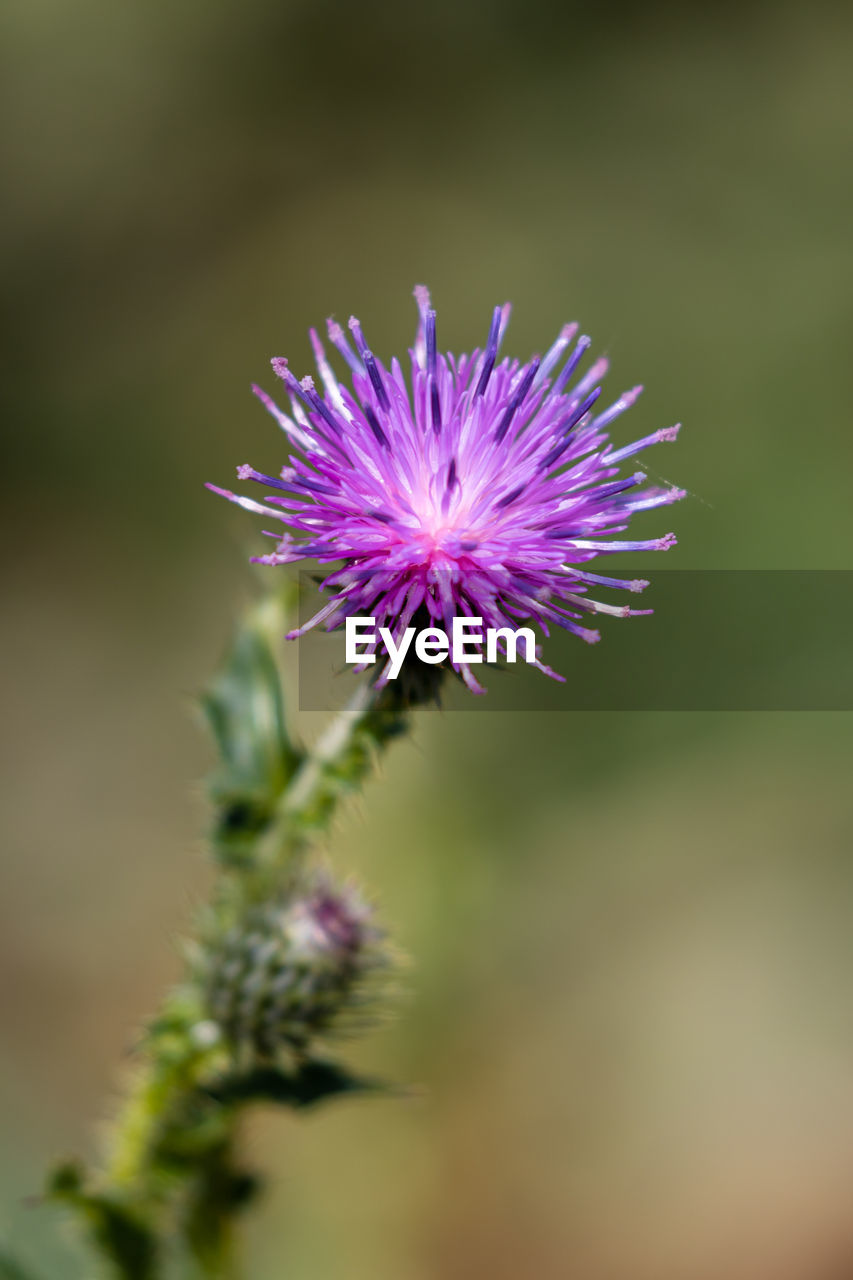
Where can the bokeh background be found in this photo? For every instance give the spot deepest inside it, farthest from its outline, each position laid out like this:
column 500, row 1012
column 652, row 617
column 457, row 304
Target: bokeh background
column 630, row 1008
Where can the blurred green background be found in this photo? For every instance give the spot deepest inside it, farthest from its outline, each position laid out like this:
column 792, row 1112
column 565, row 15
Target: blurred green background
column 631, row 1001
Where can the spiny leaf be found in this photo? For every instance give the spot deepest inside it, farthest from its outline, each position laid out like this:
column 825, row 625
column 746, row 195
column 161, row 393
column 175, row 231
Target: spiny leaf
column 120, row 1235
column 315, row 1081
column 245, row 710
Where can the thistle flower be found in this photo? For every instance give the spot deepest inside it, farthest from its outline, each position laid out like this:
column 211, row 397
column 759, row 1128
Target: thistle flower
column 480, row 488
column 293, row 969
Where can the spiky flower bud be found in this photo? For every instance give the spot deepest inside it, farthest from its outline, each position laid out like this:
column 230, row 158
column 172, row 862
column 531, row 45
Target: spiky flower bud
column 294, row 970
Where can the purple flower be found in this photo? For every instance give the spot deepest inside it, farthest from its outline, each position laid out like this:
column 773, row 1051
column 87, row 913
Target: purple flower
column 480, row 488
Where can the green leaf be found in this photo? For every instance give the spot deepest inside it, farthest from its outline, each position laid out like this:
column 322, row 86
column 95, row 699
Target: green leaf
column 315, row 1081
column 64, row 1181
column 131, row 1245
column 11, row 1268
column 245, row 710
column 218, row 1191
column 119, row 1234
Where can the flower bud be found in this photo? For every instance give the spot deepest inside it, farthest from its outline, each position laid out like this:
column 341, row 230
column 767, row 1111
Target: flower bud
column 294, row 969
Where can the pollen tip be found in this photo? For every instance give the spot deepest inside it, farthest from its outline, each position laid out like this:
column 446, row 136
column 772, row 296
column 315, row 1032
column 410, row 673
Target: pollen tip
column 668, row 540
column 669, row 433
column 638, row 584
column 333, row 329
column 307, row 383
column 279, row 366
column 352, row 323
column 568, row 331
column 245, row 472
column 421, row 294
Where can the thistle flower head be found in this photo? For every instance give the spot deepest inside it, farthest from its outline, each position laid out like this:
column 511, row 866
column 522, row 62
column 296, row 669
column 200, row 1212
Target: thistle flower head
column 292, row 970
column 481, row 486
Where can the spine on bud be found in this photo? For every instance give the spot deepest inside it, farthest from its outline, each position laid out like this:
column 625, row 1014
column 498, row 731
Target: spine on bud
column 293, row 971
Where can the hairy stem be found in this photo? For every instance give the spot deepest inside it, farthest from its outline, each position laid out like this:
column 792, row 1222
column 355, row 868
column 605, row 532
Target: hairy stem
column 171, row 1186
column 338, row 763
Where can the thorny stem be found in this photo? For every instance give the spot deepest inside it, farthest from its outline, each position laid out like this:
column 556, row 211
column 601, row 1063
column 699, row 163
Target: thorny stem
column 170, row 1186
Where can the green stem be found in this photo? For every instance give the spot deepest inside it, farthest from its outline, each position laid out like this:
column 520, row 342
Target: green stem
column 337, row 764
column 133, row 1137
column 199, row 1190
